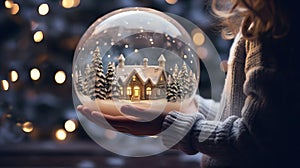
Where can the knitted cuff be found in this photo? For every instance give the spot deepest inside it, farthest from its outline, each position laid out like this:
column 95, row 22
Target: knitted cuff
column 177, row 127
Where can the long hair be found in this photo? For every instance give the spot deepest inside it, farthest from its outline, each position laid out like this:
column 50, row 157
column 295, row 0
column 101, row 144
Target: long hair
column 252, row 17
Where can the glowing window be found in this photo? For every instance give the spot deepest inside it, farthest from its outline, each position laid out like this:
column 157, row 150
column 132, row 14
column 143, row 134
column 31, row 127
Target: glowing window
column 133, row 78
column 136, row 91
column 148, row 91
column 161, row 78
column 129, row 91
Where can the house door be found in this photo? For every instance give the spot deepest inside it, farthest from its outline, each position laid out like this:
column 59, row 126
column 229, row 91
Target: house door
column 136, row 93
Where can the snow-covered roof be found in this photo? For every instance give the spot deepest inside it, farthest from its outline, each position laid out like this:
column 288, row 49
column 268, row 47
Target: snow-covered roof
column 151, row 73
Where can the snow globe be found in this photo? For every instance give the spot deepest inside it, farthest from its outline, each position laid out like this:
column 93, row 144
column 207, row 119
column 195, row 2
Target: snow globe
column 143, row 58
column 136, row 56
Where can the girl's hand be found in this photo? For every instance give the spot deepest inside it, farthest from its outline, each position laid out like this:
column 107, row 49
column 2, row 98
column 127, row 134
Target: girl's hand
column 135, row 121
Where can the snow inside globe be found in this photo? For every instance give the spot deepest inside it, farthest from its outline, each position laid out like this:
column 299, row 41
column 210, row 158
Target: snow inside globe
column 139, row 57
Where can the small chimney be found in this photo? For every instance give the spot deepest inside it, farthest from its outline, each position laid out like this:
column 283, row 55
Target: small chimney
column 162, row 61
column 121, row 61
column 145, row 62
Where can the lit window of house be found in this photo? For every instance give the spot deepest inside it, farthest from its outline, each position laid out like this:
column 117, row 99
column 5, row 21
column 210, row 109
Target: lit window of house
column 133, row 78
column 136, row 91
column 148, row 91
column 129, row 92
column 161, row 78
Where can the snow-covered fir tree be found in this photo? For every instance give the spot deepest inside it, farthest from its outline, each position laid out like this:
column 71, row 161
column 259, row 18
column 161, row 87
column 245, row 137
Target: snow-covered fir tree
column 116, row 91
column 100, row 78
column 110, row 77
column 192, row 82
column 171, row 90
column 89, row 81
column 184, row 78
column 79, row 82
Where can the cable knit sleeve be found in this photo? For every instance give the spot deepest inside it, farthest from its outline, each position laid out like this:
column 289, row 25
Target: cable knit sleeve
column 208, row 107
column 235, row 136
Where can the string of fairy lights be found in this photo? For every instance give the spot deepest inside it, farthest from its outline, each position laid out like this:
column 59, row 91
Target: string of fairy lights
column 60, row 76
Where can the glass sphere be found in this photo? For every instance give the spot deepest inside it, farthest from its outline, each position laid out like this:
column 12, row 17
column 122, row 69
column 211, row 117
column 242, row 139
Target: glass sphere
column 137, row 56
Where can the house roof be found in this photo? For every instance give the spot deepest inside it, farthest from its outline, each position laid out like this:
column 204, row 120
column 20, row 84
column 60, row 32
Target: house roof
column 151, row 73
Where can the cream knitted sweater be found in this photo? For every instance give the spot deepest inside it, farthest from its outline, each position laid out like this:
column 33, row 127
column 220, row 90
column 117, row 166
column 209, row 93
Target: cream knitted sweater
column 249, row 129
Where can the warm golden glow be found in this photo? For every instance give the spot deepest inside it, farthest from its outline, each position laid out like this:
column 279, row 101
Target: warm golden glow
column 14, row 9
column 8, row 4
column 14, row 76
column 148, row 91
column 38, row 36
column 70, row 3
column 43, row 9
column 27, row 127
column 136, row 91
column 61, row 134
column 5, row 85
column 35, row 74
column 60, row 77
column 129, row 92
column 198, row 38
column 171, row 2
column 70, row 125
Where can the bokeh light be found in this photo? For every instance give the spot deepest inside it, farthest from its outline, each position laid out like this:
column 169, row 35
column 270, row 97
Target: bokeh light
column 14, row 9
column 60, row 77
column 70, row 125
column 27, row 127
column 198, row 38
column 14, row 76
column 171, row 2
column 38, row 36
column 70, row 3
column 8, row 4
column 61, row 134
column 35, row 74
column 5, row 85
column 43, row 9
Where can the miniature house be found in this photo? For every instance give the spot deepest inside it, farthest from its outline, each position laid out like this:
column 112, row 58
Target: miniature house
column 142, row 82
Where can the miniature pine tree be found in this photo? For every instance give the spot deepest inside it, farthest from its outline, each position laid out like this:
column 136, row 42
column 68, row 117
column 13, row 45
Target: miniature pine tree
column 89, row 81
column 79, row 82
column 184, row 79
column 171, row 91
column 100, row 79
column 175, row 72
column 116, row 91
column 179, row 90
column 192, row 83
column 110, row 77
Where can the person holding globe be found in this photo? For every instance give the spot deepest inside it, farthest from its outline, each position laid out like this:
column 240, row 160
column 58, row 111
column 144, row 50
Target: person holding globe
column 257, row 118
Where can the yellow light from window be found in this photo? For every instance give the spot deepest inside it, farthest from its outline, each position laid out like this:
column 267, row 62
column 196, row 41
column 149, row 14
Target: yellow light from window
column 61, row 134
column 70, row 125
column 43, row 9
column 38, row 36
column 35, row 74
column 60, row 77
column 5, row 85
column 14, row 9
column 8, row 4
column 171, row 2
column 27, row 127
column 14, row 76
column 198, row 38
